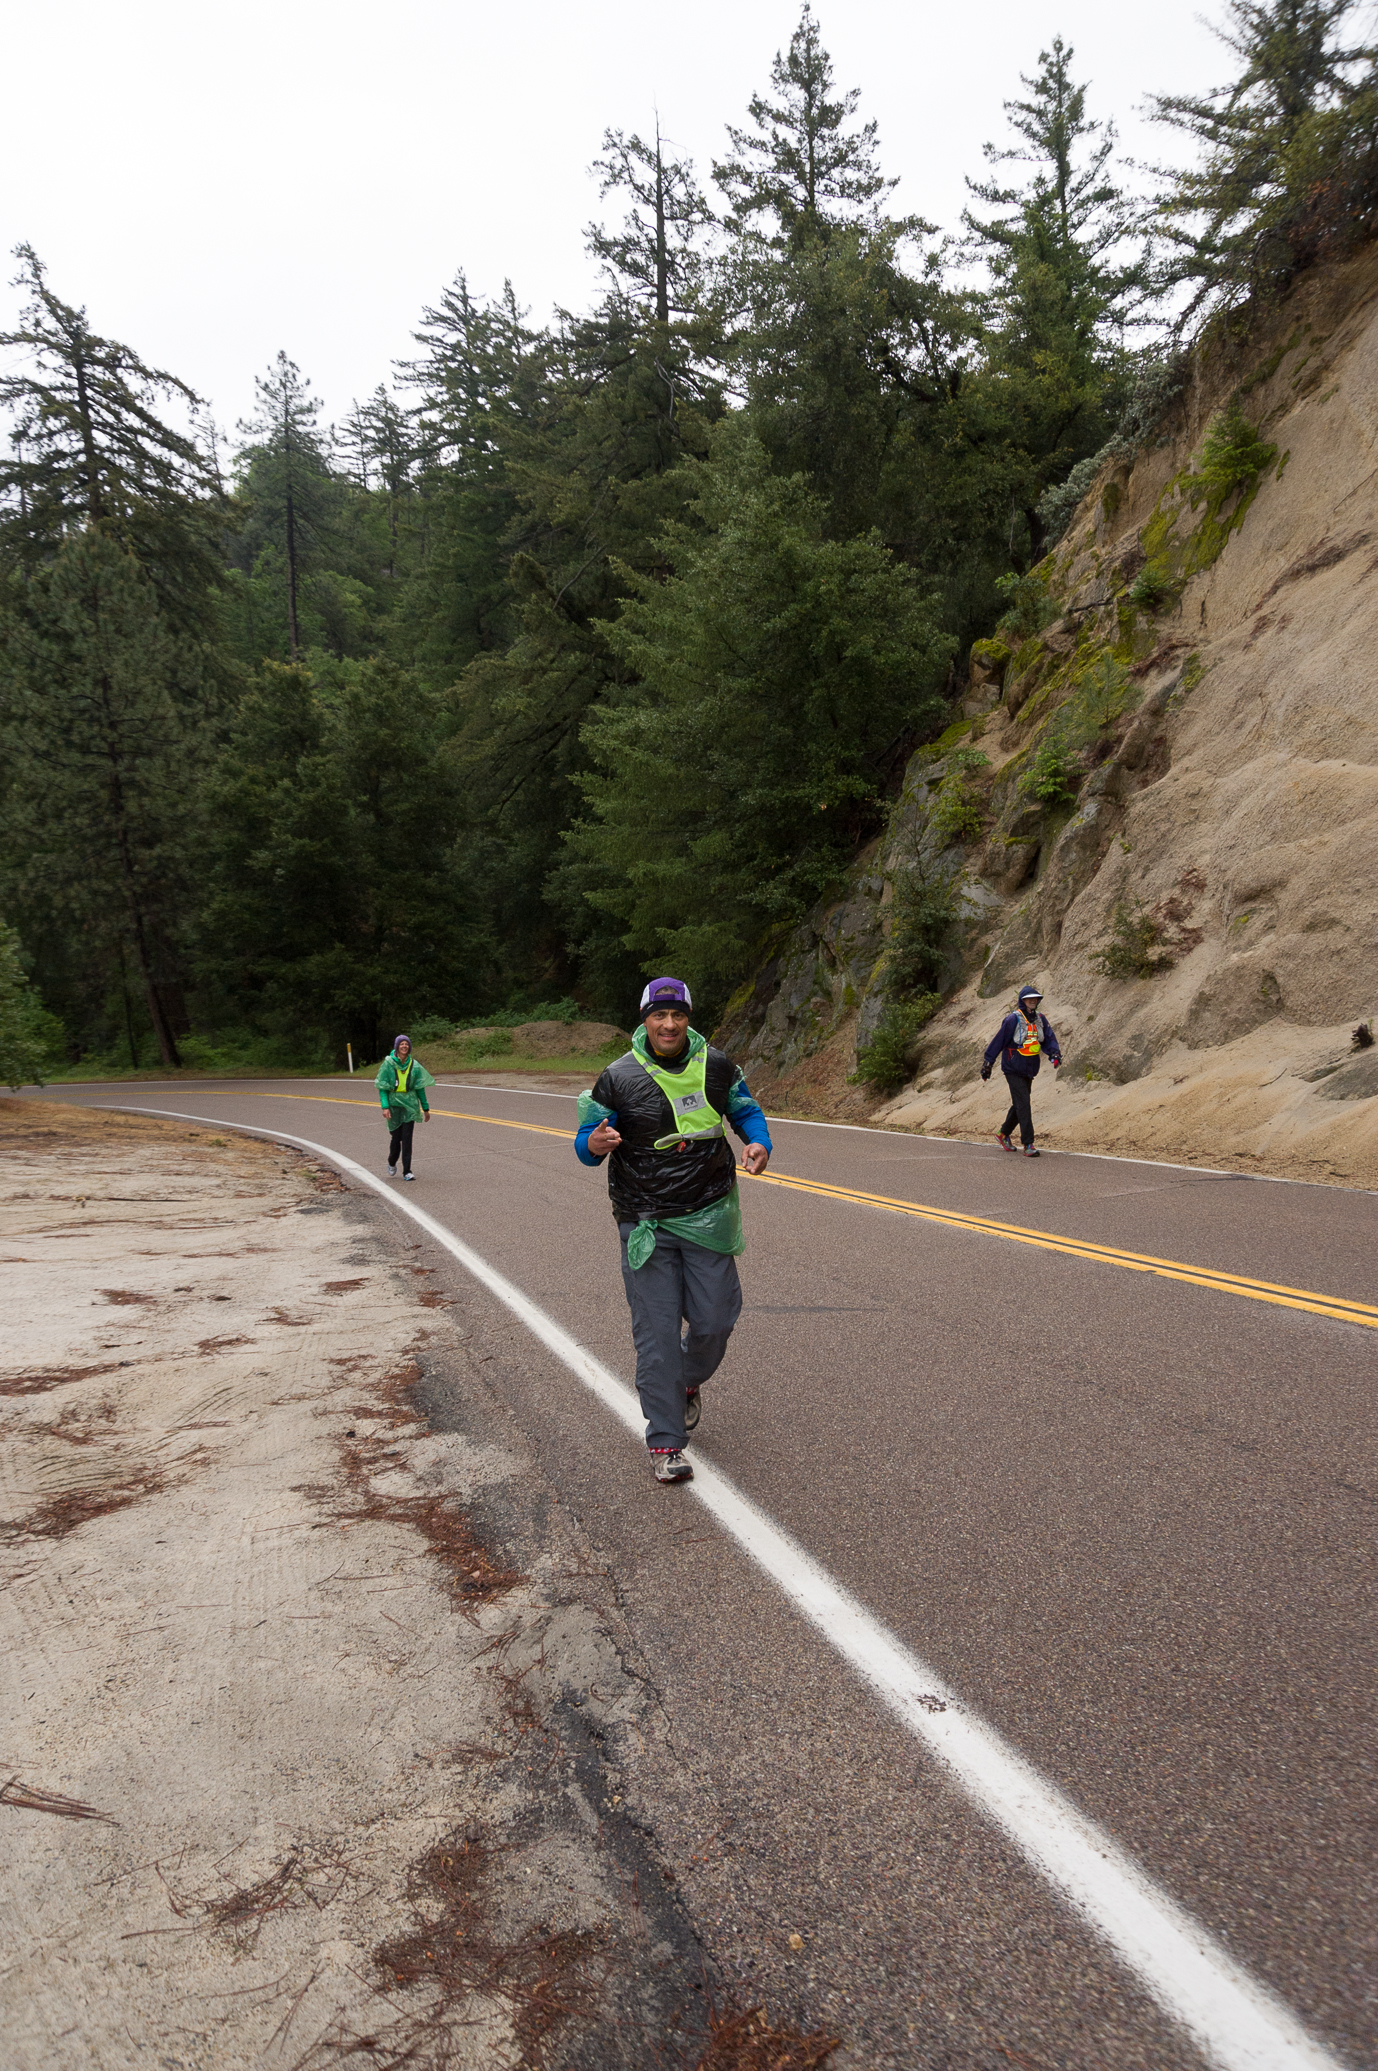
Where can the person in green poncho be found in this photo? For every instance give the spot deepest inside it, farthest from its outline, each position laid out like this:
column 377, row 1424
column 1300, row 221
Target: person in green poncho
column 658, row 1116
column 402, row 1081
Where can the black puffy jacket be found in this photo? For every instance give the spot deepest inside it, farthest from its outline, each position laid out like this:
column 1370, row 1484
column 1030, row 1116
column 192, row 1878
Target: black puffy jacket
column 644, row 1182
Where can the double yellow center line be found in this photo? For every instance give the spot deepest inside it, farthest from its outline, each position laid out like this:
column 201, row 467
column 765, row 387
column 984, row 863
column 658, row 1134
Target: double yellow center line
column 1334, row 1306
column 1102, row 1254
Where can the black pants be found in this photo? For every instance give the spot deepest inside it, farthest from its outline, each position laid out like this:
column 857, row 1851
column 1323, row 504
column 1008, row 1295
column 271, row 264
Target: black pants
column 1021, row 1110
column 401, row 1141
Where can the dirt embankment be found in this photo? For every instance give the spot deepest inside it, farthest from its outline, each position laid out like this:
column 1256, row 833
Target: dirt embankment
column 302, row 1760
column 1161, row 805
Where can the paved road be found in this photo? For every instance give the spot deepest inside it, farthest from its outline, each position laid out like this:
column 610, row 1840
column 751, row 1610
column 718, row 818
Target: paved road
column 1129, row 1517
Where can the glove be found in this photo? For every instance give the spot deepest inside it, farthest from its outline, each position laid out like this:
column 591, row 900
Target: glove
column 985, row 1071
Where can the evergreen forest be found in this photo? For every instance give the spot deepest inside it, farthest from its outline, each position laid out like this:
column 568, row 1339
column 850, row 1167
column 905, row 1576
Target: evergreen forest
column 592, row 648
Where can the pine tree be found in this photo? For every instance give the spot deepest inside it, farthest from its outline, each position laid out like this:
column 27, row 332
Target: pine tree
column 1065, row 279
column 389, row 445
column 335, row 900
column 802, row 166
column 771, row 675
column 103, row 717
column 656, row 252
column 287, row 474
column 1288, row 151
column 1072, row 198
column 88, row 448
column 477, row 375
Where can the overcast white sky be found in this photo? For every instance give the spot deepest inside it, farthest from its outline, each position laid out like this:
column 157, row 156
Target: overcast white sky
column 216, row 182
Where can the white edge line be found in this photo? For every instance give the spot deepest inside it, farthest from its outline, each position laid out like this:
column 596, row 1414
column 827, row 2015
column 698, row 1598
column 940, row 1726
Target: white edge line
column 1239, row 2024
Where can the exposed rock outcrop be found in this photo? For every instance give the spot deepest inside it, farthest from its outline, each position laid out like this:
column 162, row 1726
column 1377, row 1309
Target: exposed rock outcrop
column 1161, row 804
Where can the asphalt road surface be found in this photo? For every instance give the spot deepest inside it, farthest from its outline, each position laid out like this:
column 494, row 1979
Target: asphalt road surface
column 1123, row 1510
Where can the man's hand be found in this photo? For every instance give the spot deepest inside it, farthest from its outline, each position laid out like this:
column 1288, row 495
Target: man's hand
column 603, row 1139
column 755, row 1158
column 1057, row 1064
column 985, row 1071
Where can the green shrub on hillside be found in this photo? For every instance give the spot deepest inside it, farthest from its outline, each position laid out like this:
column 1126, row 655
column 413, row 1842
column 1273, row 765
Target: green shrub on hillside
column 883, row 1063
column 921, row 921
column 958, row 811
column 1152, row 588
column 1233, row 456
column 1028, row 606
column 1131, row 949
column 1052, row 776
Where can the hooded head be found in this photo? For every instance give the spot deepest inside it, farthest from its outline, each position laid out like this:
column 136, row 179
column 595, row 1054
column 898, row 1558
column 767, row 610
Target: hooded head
column 1030, row 998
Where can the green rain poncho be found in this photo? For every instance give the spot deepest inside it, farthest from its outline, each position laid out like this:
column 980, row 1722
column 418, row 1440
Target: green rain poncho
column 402, row 1089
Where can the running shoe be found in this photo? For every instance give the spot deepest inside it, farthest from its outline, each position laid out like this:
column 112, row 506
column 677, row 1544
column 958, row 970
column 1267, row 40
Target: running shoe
column 1003, row 1140
column 1031, row 1150
column 392, row 1172
column 671, row 1466
column 408, row 1175
column 693, row 1409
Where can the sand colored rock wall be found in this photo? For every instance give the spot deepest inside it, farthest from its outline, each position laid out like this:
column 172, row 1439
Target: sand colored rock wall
column 1226, row 806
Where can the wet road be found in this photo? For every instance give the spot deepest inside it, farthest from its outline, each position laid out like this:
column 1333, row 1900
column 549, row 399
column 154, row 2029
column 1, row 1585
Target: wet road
column 1126, row 1513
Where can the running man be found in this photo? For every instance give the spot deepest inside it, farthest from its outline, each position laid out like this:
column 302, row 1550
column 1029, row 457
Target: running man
column 402, row 1081
column 657, row 1114
column 1023, row 1036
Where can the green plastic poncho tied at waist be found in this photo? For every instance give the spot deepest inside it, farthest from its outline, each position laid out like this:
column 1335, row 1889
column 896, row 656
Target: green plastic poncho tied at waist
column 718, row 1227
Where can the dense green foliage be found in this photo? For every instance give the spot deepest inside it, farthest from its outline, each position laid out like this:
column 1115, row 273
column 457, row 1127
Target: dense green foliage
column 596, row 646
column 1287, row 163
column 30, row 1038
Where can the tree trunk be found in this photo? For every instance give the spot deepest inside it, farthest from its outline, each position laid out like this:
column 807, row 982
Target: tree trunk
column 162, row 1029
column 662, row 256
column 128, row 1010
column 95, row 509
column 292, row 640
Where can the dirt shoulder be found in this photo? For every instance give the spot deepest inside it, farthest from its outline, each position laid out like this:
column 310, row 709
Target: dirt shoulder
column 318, row 1711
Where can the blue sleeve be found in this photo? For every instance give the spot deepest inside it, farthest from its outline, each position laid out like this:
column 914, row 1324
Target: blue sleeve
column 1054, row 1047
column 746, row 1116
column 1000, row 1038
column 586, row 1129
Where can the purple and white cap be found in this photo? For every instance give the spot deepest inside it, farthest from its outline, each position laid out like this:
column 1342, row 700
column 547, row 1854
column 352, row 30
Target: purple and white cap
column 666, row 992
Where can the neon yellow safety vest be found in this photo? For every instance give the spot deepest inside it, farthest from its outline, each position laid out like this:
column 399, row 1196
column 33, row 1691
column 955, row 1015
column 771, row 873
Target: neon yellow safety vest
column 403, row 1075
column 685, row 1091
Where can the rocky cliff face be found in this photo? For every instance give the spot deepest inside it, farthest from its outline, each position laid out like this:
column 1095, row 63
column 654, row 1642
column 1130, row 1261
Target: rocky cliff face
column 1160, row 802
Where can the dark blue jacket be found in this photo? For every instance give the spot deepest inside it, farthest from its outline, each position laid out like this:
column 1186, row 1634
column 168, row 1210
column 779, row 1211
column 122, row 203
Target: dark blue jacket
column 1012, row 1064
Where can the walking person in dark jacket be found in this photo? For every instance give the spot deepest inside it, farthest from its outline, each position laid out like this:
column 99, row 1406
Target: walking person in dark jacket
column 658, row 1116
column 1023, row 1037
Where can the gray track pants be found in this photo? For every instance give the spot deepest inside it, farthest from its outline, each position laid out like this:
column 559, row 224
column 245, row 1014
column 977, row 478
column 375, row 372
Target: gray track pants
column 680, row 1283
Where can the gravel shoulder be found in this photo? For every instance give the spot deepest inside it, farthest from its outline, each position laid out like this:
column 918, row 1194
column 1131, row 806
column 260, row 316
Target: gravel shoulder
column 318, row 1712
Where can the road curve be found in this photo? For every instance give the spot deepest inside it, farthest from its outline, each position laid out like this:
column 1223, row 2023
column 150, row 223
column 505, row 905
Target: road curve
column 1091, row 1439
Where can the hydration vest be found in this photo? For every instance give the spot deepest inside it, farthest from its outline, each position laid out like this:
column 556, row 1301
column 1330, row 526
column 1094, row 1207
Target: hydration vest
column 685, row 1091
column 1028, row 1035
